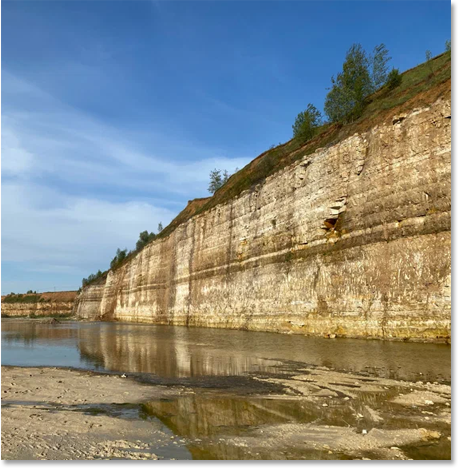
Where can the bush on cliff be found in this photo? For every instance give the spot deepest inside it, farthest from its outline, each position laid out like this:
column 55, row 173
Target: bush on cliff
column 144, row 238
column 394, row 79
column 307, row 123
column 91, row 278
column 22, row 298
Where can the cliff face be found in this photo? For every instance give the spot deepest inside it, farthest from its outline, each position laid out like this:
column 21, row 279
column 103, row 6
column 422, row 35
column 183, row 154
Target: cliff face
column 49, row 303
column 353, row 239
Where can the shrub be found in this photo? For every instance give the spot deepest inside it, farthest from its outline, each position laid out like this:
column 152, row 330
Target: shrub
column 118, row 258
column 22, row 298
column 91, row 278
column 144, row 238
column 394, row 79
column 429, row 60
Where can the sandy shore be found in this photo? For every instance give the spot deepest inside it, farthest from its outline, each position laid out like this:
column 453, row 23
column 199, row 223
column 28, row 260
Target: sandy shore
column 62, row 414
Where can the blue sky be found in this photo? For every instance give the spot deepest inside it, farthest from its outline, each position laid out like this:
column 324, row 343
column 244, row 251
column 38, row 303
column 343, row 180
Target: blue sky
column 114, row 112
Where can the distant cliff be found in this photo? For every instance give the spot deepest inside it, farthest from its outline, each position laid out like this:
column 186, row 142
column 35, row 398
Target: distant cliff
column 351, row 237
column 42, row 304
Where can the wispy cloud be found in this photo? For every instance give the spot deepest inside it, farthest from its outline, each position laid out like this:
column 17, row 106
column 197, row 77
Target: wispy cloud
column 75, row 189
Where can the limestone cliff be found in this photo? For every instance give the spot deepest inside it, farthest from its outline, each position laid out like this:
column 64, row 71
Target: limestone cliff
column 42, row 304
column 352, row 239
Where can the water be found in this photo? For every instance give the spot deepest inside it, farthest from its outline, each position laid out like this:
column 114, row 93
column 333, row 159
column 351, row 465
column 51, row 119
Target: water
column 228, row 374
column 180, row 352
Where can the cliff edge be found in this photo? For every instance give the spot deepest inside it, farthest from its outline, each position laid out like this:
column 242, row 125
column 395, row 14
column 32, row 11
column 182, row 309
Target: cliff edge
column 348, row 234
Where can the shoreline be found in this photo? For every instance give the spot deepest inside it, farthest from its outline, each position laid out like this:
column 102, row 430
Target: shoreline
column 314, row 413
column 73, row 318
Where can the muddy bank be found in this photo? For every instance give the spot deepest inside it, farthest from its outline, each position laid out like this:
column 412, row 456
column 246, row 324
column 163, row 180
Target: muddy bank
column 315, row 413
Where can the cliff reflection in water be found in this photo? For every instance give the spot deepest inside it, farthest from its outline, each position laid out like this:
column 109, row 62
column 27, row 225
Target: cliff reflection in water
column 172, row 352
column 180, row 352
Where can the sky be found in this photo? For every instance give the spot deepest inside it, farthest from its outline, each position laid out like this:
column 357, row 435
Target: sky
column 114, row 112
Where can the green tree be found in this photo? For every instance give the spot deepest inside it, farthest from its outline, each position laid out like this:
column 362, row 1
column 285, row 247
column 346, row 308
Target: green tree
column 394, row 79
column 307, row 122
column 429, row 60
column 379, row 61
column 448, row 45
column 217, row 180
column 345, row 100
column 142, row 240
column 118, row 258
column 159, row 227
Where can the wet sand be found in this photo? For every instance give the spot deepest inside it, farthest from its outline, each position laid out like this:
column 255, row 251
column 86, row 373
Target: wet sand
column 312, row 413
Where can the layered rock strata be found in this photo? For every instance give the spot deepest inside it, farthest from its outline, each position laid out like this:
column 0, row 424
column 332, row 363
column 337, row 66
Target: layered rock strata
column 50, row 303
column 352, row 240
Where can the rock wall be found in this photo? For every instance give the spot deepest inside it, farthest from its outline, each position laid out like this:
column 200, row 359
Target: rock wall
column 58, row 303
column 352, row 240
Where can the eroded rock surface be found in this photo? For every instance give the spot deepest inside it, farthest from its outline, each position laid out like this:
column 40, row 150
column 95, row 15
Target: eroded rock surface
column 352, row 240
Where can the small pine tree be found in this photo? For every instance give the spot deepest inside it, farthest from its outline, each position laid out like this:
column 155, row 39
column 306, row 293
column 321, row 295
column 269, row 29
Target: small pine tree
column 217, row 180
column 394, row 79
column 448, row 45
column 429, row 60
column 159, row 227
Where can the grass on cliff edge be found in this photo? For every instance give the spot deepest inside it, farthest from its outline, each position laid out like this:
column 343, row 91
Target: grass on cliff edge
column 23, row 299
column 60, row 296
column 420, row 86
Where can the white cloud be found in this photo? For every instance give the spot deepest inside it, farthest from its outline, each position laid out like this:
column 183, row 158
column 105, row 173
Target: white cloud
column 73, row 233
column 74, row 189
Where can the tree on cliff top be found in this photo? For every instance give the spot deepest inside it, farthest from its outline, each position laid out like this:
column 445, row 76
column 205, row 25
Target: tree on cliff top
column 307, row 122
column 361, row 75
column 379, row 61
column 217, row 180
column 144, row 238
column 345, row 100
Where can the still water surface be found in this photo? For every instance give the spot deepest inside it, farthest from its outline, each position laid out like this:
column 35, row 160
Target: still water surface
column 180, row 352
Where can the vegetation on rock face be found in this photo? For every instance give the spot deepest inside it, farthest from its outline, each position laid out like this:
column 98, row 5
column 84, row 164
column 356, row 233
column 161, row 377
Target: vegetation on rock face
column 23, row 298
column 144, row 238
column 363, row 95
column 121, row 256
column 91, row 278
column 118, row 258
column 394, row 79
column 429, row 62
column 217, row 180
column 361, row 75
column 379, row 61
column 307, row 123
column 406, row 95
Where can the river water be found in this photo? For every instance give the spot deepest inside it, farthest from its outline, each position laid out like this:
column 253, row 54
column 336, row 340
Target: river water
column 233, row 375
column 180, row 352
